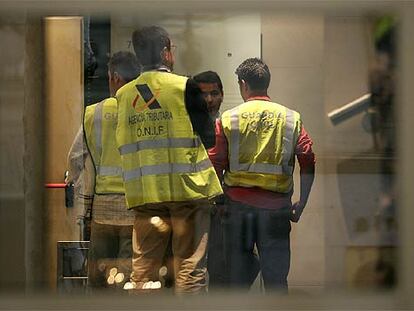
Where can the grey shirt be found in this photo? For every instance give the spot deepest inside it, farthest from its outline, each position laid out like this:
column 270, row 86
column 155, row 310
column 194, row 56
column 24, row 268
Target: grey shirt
column 109, row 209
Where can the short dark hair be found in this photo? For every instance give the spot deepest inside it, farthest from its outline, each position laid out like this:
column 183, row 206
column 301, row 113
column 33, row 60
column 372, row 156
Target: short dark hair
column 209, row 77
column 125, row 64
column 255, row 72
column 148, row 43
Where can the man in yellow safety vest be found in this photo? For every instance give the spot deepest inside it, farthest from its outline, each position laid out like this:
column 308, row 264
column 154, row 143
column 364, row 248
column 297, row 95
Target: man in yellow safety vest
column 98, row 156
column 256, row 144
column 163, row 131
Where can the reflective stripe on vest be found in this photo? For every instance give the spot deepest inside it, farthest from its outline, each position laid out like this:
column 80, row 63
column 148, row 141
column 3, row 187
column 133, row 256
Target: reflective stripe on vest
column 109, row 170
column 262, row 168
column 288, row 137
column 160, row 143
column 97, row 121
column 167, row 168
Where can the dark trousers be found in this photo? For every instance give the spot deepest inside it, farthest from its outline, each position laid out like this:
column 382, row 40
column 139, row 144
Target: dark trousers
column 110, row 246
column 245, row 227
column 217, row 261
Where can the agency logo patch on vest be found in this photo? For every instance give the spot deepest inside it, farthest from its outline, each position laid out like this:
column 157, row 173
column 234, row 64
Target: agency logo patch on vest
column 149, row 99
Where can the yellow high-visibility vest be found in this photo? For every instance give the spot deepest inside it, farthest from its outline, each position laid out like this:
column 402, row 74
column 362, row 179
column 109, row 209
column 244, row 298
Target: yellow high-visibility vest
column 163, row 160
column 262, row 137
column 99, row 125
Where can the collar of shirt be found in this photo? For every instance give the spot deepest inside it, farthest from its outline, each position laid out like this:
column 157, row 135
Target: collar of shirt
column 155, row 68
column 266, row 98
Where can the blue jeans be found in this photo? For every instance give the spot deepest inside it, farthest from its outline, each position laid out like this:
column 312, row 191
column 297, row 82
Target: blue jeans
column 269, row 230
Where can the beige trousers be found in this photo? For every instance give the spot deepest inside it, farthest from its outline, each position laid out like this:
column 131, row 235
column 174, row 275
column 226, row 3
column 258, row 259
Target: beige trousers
column 185, row 225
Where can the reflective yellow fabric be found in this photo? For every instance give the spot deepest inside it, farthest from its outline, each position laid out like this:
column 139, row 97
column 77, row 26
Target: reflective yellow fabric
column 162, row 159
column 262, row 136
column 100, row 124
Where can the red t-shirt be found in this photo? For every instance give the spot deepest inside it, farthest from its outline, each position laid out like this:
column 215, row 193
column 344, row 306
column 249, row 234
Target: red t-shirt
column 256, row 196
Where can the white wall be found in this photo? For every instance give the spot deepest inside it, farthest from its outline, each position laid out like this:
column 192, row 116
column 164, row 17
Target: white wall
column 355, row 232
column 218, row 42
column 319, row 63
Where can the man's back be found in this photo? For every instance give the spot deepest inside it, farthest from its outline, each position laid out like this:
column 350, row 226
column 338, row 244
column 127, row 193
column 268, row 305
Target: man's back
column 99, row 124
column 167, row 173
column 262, row 136
column 256, row 145
column 163, row 159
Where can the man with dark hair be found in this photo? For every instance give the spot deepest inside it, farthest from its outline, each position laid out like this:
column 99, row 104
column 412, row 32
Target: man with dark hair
column 211, row 87
column 255, row 148
column 210, row 84
column 149, row 44
column 97, row 157
column 123, row 67
column 255, row 74
column 163, row 131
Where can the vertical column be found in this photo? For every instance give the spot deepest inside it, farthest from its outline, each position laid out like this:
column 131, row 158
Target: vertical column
column 12, row 203
column 33, row 158
column 405, row 154
column 63, row 115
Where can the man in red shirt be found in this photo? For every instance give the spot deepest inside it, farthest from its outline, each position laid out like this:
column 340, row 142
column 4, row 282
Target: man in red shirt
column 211, row 87
column 256, row 145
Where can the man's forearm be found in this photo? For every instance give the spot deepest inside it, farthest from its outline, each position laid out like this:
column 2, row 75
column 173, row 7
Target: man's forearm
column 307, row 176
column 76, row 157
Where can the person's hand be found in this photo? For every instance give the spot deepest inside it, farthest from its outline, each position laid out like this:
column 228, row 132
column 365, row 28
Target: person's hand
column 297, row 209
